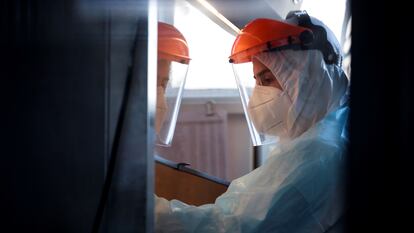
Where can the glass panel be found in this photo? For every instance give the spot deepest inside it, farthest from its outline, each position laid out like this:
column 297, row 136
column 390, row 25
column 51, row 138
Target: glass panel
column 209, row 46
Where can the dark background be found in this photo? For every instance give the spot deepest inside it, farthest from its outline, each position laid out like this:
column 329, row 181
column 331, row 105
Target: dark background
column 381, row 151
column 64, row 66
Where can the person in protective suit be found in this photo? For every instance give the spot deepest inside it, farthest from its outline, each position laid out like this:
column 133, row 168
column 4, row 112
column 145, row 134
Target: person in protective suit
column 299, row 101
column 172, row 66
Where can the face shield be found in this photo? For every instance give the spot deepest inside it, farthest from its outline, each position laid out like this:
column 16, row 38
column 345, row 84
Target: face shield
column 173, row 60
column 170, row 84
column 264, row 102
column 245, row 84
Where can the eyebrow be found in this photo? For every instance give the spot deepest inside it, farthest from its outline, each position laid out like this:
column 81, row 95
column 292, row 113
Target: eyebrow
column 262, row 72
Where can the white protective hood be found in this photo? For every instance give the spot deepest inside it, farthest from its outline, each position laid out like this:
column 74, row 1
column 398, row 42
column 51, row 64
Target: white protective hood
column 315, row 89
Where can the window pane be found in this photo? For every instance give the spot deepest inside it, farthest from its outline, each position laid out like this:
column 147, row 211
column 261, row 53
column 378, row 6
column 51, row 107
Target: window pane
column 210, row 47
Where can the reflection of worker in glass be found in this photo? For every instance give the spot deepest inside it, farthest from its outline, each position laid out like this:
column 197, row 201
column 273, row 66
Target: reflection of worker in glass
column 298, row 101
column 173, row 63
column 163, row 73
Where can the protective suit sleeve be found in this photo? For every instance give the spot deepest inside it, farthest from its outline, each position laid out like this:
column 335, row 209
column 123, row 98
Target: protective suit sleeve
column 176, row 216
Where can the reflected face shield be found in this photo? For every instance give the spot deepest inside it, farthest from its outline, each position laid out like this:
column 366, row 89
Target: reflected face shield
column 171, row 78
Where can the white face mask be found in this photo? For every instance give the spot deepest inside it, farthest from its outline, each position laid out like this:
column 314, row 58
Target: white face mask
column 162, row 109
column 268, row 108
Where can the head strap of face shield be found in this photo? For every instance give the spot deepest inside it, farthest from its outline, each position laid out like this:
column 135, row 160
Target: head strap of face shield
column 318, row 39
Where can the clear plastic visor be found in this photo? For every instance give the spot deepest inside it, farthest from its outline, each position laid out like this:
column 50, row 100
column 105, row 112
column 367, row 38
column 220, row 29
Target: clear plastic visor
column 246, row 84
column 171, row 78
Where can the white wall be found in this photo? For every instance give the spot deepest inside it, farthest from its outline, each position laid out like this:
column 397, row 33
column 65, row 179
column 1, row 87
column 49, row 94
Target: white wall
column 240, row 148
column 238, row 159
